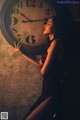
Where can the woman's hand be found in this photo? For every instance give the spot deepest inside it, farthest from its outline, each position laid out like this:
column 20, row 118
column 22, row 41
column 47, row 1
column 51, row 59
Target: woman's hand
column 17, row 46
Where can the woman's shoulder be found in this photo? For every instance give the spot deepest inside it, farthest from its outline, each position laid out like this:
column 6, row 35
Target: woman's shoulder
column 57, row 42
column 52, row 46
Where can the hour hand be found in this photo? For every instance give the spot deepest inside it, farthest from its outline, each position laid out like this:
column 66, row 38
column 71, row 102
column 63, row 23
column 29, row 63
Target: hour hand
column 25, row 16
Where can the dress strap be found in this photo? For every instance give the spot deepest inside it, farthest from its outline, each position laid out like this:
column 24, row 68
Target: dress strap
column 52, row 40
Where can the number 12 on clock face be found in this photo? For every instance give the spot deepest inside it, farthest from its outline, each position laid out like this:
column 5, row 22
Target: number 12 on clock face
column 30, row 3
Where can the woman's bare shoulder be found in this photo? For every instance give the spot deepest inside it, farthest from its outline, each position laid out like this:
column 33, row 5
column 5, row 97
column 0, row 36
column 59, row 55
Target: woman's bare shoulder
column 52, row 45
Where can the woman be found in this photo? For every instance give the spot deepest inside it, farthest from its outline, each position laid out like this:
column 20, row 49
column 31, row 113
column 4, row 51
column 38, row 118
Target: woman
column 47, row 105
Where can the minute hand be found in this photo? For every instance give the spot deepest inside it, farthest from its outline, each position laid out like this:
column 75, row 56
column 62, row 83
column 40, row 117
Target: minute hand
column 34, row 20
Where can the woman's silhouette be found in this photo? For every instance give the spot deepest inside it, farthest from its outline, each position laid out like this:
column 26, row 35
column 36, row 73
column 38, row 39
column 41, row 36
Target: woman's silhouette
column 48, row 104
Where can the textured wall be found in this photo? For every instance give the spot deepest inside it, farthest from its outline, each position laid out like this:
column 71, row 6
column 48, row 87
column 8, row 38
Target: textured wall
column 20, row 81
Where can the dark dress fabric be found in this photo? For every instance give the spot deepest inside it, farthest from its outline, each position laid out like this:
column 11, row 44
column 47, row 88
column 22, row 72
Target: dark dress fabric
column 50, row 87
column 51, row 80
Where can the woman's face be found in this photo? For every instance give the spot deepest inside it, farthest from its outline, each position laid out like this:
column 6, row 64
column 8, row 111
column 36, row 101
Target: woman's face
column 48, row 27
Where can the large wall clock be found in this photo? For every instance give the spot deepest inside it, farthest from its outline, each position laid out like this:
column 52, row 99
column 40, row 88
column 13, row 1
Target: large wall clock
column 23, row 21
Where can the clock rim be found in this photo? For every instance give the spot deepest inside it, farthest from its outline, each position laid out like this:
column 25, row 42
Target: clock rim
column 37, row 50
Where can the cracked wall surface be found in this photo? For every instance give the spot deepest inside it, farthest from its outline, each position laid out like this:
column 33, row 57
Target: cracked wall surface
column 20, row 81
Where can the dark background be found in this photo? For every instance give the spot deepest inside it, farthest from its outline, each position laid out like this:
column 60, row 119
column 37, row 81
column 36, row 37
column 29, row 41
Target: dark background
column 68, row 20
column 20, row 81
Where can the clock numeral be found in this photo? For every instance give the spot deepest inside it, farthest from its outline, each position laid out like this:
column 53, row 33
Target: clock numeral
column 33, row 3
column 33, row 39
column 41, row 4
column 30, row 3
column 20, row 4
column 16, row 11
column 14, row 30
column 19, row 37
column 47, row 11
column 30, row 39
column 14, row 20
column 27, row 3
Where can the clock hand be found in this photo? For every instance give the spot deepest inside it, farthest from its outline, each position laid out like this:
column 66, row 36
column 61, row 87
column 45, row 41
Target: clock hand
column 25, row 16
column 45, row 19
column 30, row 21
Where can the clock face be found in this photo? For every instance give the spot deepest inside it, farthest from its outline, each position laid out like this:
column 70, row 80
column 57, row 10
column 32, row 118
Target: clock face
column 23, row 21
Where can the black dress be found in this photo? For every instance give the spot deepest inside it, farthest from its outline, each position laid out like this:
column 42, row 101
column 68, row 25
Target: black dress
column 50, row 87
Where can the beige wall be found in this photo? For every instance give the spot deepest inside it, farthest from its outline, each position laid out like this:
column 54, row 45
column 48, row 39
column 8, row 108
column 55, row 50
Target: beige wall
column 20, row 81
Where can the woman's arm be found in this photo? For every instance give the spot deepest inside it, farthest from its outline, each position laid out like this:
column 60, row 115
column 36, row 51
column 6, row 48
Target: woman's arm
column 36, row 63
column 49, row 57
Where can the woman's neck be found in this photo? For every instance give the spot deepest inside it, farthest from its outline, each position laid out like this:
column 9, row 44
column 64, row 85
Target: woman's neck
column 51, row 36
